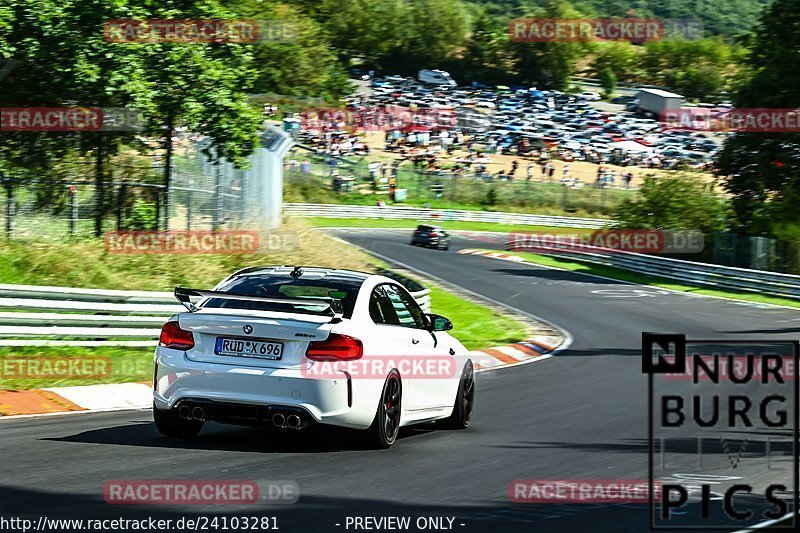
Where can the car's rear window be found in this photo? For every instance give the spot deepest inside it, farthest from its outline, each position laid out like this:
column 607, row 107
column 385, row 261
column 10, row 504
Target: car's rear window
column 345, row 289
column 424, row 228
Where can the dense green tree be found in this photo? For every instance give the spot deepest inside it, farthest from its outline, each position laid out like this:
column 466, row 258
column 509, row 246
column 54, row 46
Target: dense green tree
column 439, row 30
column 693, row 67
column 621, row 57
column 293, row 56
column 64, row 60
column 485, row 57
column 550, row 64
column 608, row 81
column 676, row 202
column 762, row 170
column 371, row 29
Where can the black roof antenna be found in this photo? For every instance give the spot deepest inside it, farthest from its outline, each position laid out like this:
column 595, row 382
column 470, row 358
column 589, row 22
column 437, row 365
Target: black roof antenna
column 297, row 272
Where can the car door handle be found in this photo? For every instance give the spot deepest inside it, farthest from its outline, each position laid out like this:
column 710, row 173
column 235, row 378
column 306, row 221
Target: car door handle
column 414, row 341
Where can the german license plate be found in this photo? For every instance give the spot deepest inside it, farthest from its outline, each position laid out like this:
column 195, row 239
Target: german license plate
column 248, row 348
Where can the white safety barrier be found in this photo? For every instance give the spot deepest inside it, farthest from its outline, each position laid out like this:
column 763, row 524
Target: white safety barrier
column 434, row 215
column 690, row 272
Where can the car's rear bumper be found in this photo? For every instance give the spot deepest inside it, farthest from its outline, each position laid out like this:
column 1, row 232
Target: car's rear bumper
column 428, row 241
column 339, row 402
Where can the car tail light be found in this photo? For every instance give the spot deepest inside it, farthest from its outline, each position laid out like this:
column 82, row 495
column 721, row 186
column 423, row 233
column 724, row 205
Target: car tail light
column 335, row 348
column 172, row 336
column 435, row 234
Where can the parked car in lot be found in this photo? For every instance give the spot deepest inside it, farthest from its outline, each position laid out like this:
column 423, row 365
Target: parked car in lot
column 435, row 77
column 433, row 236
column 589, row 95
column 267, row 346
column 544, row 116
column 623, row 99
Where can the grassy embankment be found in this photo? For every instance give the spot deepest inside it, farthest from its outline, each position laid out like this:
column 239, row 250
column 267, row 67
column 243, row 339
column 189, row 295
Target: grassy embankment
column 85, row 263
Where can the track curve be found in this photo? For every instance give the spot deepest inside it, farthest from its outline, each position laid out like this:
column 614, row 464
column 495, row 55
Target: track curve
column 580, row 414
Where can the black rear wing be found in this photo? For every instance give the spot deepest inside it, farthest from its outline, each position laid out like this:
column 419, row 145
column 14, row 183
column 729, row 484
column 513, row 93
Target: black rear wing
column 334, row 305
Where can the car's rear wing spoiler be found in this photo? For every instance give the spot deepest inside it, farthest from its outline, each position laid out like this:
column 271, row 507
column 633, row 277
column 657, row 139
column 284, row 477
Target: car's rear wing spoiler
column 334, row 305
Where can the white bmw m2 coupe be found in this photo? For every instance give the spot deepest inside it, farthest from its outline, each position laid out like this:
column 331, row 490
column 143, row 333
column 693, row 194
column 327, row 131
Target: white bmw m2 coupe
column 291, row 347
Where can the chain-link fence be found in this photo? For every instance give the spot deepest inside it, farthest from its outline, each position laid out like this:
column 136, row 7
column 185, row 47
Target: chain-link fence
column 317, row 178
column 203, row 193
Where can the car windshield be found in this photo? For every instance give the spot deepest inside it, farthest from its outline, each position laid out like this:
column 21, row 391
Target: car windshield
column 285, row 287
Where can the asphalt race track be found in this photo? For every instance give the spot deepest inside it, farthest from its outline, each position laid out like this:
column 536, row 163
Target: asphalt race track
column 581, row 414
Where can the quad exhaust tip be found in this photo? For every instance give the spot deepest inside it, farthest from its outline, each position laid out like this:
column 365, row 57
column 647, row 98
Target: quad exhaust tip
column 188, row 412
column 185, row 412
column 282, row 421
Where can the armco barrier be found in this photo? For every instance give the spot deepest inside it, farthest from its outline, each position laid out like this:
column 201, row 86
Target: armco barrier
column 134, row 315
column 692, row 273
column 433, row 215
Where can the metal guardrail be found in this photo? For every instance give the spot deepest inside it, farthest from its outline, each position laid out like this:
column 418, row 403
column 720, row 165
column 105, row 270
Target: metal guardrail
column 434, row 215
column 134, row 315
column 691, row 272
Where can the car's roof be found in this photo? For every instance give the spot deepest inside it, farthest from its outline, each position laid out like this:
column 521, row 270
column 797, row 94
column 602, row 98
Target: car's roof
column 316, row 272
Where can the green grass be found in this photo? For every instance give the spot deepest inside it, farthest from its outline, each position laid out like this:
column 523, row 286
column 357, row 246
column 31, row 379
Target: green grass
column 446, row 224
column 475, row 325
column 114, row 364
column 654, row 281
column 85, row 262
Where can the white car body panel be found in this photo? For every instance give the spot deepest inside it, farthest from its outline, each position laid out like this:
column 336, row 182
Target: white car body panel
column 199, row 374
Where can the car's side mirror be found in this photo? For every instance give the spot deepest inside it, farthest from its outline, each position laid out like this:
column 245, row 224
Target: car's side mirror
column 439, row 322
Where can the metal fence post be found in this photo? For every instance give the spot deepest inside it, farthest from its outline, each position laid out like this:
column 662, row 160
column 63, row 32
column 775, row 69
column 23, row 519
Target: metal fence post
column 158, row 209
column 189, row 206
column 602, row 199
column 9, row 207
column 73, row 212
column 218, row 198
column 120, row 206
column 169, row 204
